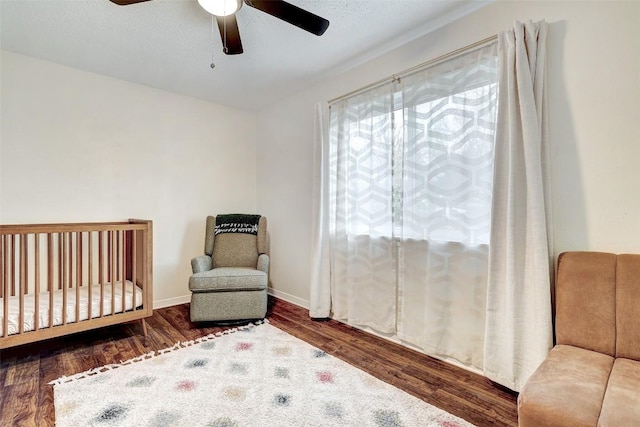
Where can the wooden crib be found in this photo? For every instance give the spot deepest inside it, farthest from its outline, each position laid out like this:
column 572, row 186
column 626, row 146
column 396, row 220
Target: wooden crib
column 56, row 279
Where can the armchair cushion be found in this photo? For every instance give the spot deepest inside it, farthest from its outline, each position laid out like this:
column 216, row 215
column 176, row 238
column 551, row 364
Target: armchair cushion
column 566, row 390
column 620, row 406
column 235, row 250
column 228, row 279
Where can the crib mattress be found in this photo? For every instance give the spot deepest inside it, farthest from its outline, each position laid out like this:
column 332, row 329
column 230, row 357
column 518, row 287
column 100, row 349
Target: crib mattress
column 43, row 309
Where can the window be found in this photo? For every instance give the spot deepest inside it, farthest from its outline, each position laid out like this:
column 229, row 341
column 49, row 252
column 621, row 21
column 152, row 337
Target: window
column 415, row 158
column 410, row 189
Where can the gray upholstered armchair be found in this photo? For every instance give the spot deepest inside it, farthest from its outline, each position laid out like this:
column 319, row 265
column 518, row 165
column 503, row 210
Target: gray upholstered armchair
column 229, row 282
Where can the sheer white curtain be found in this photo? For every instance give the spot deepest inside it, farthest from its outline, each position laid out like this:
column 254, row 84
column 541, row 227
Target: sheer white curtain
column 363, row 266
column 449, row 122
column 409, row 175
column 519, row 326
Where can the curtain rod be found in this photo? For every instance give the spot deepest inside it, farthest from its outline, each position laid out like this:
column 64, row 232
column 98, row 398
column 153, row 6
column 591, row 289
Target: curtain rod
column 411, row 70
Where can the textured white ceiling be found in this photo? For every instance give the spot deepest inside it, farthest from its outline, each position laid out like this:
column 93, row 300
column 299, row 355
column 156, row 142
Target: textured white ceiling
column 170, row 44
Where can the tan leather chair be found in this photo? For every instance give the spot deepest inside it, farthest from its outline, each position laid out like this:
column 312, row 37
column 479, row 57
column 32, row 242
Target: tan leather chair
column 592, row 376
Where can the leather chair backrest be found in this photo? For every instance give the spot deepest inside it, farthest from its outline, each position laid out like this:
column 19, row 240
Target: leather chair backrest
column 586, row 301
column 598, row 301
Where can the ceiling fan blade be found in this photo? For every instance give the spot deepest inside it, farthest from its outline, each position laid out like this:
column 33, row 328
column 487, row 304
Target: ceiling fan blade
column 230, row 34
column 127, row 2
column 291, row 14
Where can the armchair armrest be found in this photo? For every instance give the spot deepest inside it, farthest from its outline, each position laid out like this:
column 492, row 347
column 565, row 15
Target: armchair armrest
column 263, row 263
column 201, row 263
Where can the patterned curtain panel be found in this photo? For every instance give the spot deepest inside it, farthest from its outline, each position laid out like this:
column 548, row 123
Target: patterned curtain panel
column 363, row 273
column 410, row 178
column 445, row 217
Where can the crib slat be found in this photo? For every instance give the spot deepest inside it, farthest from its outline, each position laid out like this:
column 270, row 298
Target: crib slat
column 112, row 273
column 80, row 256
column 109, row 258
column 133, row 267
column 90, row 273
column 60, row 262
column 36, row 277
column 64, row 278
column 13, row 265
column 70, row 260
column 22, row 285
column 24, row 262
column 117, row 270
column 101, row 269
column 5, row 286
column 78, row 273
column 122, row 272
column 50, row 276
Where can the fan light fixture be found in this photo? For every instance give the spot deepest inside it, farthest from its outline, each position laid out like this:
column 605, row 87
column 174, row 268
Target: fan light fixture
column 224, row 13
column 221, row 7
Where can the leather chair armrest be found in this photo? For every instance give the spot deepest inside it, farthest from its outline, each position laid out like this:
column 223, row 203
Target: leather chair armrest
column 263, row 263
column 201, row 263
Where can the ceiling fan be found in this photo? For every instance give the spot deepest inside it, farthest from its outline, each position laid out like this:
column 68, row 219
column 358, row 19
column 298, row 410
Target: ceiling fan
column 225, row 10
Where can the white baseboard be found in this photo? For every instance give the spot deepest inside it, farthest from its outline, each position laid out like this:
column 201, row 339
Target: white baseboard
column 289, row 298
column 168, row 302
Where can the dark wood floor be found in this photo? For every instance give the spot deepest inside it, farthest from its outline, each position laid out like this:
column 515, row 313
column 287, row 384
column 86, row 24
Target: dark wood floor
column 27, row 399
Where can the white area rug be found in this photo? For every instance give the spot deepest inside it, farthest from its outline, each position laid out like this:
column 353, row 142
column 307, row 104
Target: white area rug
column 251, row 376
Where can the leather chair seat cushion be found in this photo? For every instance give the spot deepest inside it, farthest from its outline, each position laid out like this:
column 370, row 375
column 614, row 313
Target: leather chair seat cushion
column 225, row 279
column 621, row 406
column 566, row 390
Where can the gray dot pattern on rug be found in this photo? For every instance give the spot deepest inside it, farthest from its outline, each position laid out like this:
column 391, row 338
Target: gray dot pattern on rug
column 282, row 400
column 223, row 422
column 164, row 419
column 209, row 345
column 144, row 381
column 319, row 353
column 387, row 419
column 333, row 410
column 197, row 363
column 281, row 372
column 238, row 368
column 112, row 415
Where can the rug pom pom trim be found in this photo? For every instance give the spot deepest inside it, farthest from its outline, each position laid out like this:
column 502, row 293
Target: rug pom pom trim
column 177, row 346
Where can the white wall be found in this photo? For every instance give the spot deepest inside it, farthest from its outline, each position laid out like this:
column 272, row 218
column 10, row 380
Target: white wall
column 594, row 104
column 78, row 147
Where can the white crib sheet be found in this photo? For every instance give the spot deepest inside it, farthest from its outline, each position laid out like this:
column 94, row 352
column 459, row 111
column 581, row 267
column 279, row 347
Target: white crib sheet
column 43, row 309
